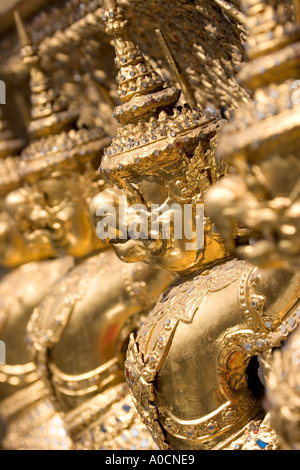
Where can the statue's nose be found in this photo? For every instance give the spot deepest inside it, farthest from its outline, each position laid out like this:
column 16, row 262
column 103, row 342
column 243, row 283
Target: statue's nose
column 110, row 198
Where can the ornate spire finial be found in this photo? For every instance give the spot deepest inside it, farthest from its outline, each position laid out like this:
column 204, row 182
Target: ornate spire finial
column 24, row 38
column 49, row 114
column 136, row 78
column 155, row 132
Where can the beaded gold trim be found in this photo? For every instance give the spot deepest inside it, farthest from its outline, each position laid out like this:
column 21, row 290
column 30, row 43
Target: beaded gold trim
column 257, row 435
column 109, row 421
column 203, row 429
column 18, row 374
column 85, row 384
column 23, row 399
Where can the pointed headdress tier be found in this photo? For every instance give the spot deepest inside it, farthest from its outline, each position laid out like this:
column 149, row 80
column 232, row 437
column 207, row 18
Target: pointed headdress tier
column 49, row 114
column 270, row 123
column 56, row 142
column 269, row 25
column 136, row 78
column 154, row 132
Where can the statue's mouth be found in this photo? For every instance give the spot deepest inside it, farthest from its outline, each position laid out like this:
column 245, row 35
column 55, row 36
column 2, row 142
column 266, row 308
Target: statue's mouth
column 52, row 232
column 141, row 249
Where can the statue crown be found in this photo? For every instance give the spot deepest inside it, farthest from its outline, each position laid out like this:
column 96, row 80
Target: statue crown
column 154, row 132
column 56, row 143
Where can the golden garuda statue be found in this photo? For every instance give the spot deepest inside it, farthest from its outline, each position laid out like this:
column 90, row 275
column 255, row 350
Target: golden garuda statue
column 205, row 333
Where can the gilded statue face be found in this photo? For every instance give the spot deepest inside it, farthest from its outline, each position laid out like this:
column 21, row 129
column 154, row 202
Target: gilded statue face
column 52, row 215
column 157, row 220
column 13, row 249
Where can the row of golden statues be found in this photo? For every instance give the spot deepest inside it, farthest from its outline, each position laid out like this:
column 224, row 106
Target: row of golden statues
column 128, row 344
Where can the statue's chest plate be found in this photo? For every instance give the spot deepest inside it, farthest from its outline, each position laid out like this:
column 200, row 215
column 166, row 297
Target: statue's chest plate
column 147, row 354
column 50, row 320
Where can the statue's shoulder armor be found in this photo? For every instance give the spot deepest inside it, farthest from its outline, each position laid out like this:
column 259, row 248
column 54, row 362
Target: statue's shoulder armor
column 268, row 300
column 262, row 322
column 270, row 305
column 50, row 318
column 104, row 286
column 268, row 297
column 181, row 303
column 21, row 290
column 147, row 352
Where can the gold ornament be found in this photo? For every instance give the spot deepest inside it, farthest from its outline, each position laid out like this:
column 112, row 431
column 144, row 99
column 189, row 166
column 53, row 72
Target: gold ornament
column 191, row 368
column 24, row 288
column 194, row 364
column 23, row 395
column 154, row 153
column 47, row 166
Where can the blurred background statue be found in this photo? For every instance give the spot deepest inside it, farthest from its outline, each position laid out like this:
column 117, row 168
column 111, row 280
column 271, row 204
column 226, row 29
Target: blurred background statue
column 261, row 144
column 51, row 211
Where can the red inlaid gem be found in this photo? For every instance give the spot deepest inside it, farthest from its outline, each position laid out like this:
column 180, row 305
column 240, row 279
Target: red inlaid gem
column 178, row 144
column 127, row 373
